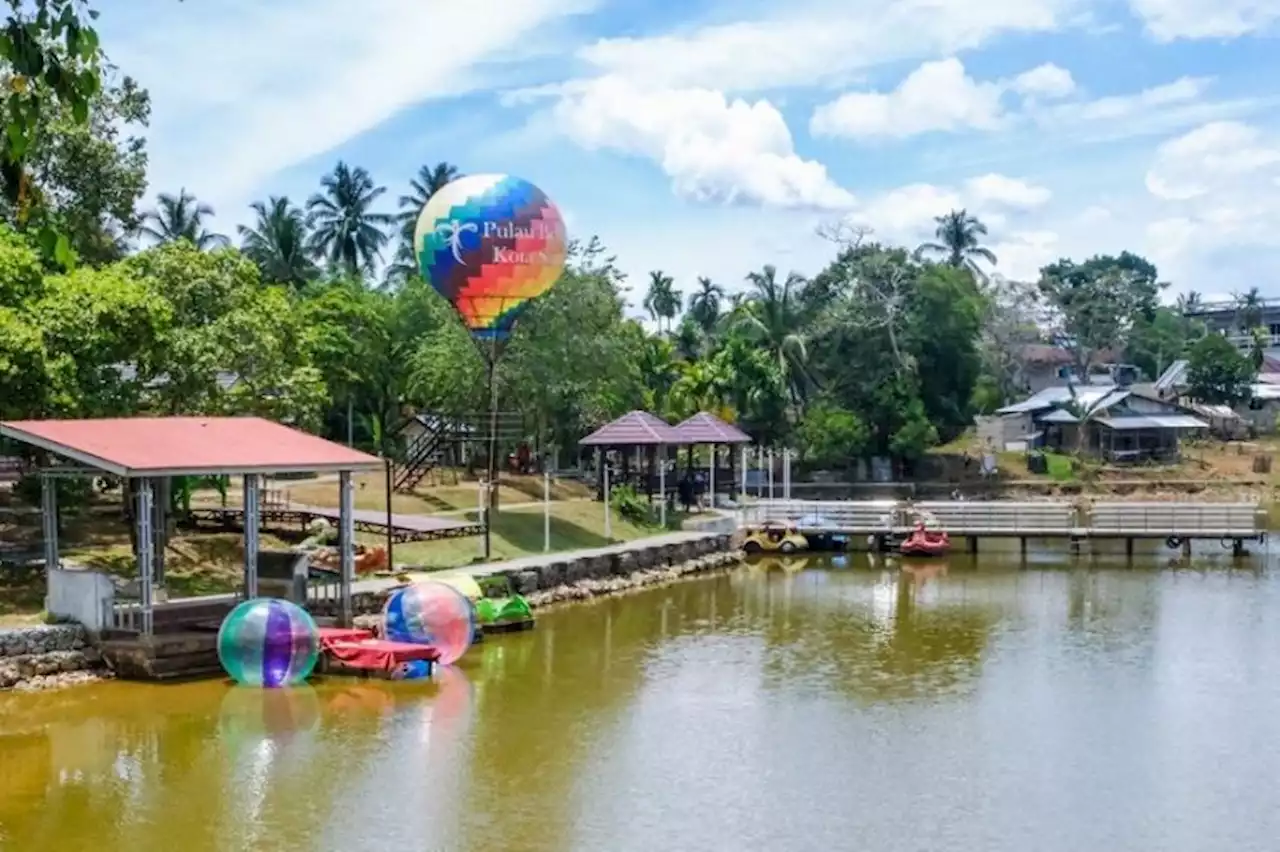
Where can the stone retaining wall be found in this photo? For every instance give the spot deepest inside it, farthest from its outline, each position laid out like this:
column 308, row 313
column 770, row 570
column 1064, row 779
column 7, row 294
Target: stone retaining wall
column 574, row 577
column 47, row 656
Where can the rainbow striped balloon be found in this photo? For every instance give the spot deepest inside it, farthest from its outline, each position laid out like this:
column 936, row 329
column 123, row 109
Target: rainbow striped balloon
column 490, row 244
column 268, row 642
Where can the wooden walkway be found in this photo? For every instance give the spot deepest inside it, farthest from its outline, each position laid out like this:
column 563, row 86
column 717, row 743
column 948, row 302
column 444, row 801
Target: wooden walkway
column 404, row 528
column 1177, row 522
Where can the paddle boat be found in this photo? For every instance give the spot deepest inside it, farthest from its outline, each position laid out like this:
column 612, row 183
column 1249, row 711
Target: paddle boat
column 925, row 542
column 820, row 540
column 774, row 537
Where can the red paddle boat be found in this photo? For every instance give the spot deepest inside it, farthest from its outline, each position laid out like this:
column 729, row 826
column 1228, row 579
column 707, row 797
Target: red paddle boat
column 923, row 542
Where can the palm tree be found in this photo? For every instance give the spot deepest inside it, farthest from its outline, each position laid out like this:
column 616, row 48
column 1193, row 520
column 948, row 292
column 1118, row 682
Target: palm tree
column 704, row 304
column 1190, row 302
column 180, row 217
column 662, row 300
column 958, row 234
column 772, row 318
column 345, row 232
column 430, row 180
column 277, row 243
column 1249, row 309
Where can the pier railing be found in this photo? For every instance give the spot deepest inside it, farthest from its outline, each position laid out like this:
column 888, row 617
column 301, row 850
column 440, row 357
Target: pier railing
column 1040, row 518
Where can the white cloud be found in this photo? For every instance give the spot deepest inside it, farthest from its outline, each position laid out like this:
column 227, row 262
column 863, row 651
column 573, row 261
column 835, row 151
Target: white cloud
column 1211, row 158
column 1046, row 81
column 1167, row 20
column 712, row 148
column 1010, row 192
column 937, row 96
column 816, row 42
column 1218, row 188
column 248, row 89
column 1022, row 254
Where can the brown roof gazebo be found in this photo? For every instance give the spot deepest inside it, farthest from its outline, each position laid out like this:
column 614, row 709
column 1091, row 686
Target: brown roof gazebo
column 705, row 429
column 634, row 430
column 149, row 450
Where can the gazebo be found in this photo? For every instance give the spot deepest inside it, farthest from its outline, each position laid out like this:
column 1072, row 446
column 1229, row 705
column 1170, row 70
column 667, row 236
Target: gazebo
column 705, row 429
column 148, row 451
column 633, row 431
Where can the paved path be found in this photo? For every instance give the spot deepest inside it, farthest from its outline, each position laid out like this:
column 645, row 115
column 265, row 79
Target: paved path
column 381, row 584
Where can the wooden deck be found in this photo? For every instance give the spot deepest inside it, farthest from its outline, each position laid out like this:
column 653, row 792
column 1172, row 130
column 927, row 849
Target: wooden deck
column 404, row 528
column 1176, row 522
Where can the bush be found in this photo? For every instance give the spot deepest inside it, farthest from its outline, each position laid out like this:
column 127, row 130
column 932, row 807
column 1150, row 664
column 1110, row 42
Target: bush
column 631, row 506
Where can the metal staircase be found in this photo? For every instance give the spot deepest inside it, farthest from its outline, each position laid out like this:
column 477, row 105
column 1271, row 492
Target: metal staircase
column 421, row 457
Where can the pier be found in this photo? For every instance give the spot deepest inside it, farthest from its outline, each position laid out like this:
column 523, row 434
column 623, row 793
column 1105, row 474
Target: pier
column 1176, row 523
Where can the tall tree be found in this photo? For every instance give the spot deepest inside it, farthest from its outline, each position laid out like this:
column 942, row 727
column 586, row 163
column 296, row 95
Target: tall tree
column 429, row 181
column 1248, row 309
column 1218, row 373
column 959, row 241
column 772, row 318
column 662, row 300
column 704, row 304
column 345, row 230
column 1097, row 303
column 180, row 217
column 277, row 242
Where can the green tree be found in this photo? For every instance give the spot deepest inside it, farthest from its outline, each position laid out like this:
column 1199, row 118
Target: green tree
column 1218, row 373
column 1157, row 341
column 704, row 304
column 51, row 60
column 831, row 436
column 662, row 300
column 277, row 243
column 180, row 217
column 345, row 231
column 1097, row 302
column 959, row 242
column 429, row 181
column 772, row 318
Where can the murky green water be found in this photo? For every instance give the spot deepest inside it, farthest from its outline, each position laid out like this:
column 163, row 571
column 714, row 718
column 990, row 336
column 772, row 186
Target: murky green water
column 841, row 709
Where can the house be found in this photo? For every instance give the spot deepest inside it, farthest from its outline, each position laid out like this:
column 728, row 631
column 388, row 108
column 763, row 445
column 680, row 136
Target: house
column 1122, row 423
column 1042, row 366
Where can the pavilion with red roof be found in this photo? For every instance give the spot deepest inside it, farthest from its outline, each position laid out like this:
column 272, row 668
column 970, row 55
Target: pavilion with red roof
column 705, row 429
column 149, row 450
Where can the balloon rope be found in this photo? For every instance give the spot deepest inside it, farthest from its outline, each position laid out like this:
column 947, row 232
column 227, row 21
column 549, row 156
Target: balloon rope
column 492, row 485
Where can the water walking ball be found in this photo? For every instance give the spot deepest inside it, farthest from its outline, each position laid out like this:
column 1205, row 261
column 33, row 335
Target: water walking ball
column 432, row 614
column 268, row 642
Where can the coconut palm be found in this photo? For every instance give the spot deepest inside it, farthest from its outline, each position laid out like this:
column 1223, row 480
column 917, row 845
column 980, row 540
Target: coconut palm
column 958, row 234
column 704, row 304
column 344, row 229
column 662, row 300
column 277, row 242
column 180, row 217
column 430, row 180
column 772, row 317
column 1249, row 309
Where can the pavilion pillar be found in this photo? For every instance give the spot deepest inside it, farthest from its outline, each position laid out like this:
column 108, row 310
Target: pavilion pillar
column 49, row 516
column 711, row 480
column 160, row 525
column 143, row 516
column 600, row 463
column 662, row 485
column 252, row 520
column 346, row 546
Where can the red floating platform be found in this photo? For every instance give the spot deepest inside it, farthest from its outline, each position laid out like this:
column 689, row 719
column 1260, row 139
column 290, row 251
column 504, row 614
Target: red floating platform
column 352, row 651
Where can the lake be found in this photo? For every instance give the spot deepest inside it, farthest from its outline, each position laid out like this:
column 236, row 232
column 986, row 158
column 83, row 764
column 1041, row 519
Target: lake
column 804, row 707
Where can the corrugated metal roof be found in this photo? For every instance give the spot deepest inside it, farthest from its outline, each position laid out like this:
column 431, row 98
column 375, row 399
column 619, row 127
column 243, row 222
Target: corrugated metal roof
column 1087, row 395
column 1154, row 421
column 1060, row 415
column 706, row 428
column 1266, row 392
column 634, row 429
column 187, row 446
column 1174, row 377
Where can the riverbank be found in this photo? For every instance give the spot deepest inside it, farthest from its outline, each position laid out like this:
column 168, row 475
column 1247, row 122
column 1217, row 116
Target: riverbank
column 48, row 657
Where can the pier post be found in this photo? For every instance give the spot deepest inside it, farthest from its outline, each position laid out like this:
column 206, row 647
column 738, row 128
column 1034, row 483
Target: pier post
column 1128, row 548
column 1186, row 548
column 1022, row 546
column 973, row 544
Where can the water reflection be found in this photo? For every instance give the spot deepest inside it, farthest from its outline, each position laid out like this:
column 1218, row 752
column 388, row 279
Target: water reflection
column 782, row 706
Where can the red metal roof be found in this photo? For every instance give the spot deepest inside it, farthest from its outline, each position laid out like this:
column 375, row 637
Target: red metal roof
column 634, row 429
column 706, row 428
column 187, row 446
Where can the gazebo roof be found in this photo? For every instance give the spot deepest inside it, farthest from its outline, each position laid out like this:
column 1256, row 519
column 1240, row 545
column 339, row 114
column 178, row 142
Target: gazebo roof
column 634, row 429
column 706, row 428
column 188, row 446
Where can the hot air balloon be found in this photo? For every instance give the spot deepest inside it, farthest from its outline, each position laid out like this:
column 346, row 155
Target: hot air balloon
column 490, row 244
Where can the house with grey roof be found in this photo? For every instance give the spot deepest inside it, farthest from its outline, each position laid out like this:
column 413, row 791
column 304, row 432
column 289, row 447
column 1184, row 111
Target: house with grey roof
column 1118, row 423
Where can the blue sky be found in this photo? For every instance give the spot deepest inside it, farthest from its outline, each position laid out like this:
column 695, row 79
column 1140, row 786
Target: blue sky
column 712, row 137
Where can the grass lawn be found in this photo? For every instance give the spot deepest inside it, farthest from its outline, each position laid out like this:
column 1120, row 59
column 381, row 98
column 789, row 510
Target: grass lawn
column 451, row 493
column 519, row 532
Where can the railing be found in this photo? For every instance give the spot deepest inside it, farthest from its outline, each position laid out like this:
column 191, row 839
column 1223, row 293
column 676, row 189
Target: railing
column 1014, row 518
column 1176, row 519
